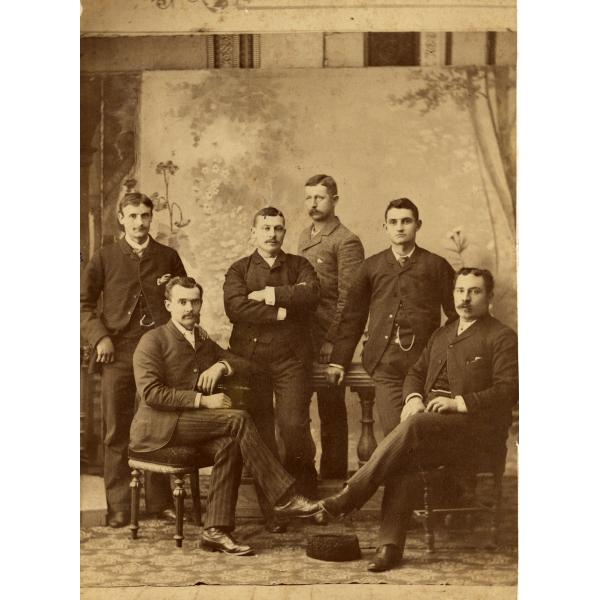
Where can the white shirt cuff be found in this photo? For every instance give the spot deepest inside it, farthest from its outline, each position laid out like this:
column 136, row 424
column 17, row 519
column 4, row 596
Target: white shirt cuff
column 337, row 366
column 461, row 407
column 270, row 296
column 227, row 366
column 198, row 400
column 281, row 313
column 412, row 397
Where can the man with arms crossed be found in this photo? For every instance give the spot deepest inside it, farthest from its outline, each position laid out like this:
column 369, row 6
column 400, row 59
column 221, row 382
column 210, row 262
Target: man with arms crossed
column 269, row 297
column 130, row 275
column 401, row 291
column 335, row 253
column 177, row 368
column 458, row 400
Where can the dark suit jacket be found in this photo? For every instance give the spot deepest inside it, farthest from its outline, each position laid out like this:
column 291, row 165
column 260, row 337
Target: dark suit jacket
column 382, row 287
column 166, row 370
column 335, row 253
column 116, row 273
column 296, row 289
column 482, row 365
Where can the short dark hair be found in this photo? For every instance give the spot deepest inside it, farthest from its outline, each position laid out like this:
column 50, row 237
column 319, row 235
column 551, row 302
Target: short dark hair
column 134, row 199
column 186, row 282
column 488, row 278
column 402, row 203
column 326, row 181
column 267, row 211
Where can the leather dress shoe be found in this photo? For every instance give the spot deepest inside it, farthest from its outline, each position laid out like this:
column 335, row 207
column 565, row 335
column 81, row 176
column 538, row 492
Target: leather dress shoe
column 321, row 518
column 386, row 557
column 337, row 505
column 119, row 518
column 297, row 506
column 218, row 540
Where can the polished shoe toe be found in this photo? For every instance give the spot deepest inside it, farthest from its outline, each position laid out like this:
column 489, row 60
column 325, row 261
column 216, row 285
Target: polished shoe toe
column 385, row 558
column 119, row 518
column 218, row 540
column 167, row 514
column 297, row 506
column 337, row 505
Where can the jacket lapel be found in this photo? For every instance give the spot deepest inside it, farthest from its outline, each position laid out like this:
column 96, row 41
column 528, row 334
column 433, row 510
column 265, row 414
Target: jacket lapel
column 308, row 241
column 176, row 334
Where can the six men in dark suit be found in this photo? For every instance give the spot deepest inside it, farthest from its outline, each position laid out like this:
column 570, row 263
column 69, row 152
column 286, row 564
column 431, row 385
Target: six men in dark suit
column 451, row 403
column 457, row 402
column 122, row 297
column 335, row 253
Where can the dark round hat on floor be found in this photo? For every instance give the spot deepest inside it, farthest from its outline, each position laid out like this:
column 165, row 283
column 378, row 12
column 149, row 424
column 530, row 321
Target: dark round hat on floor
column 338, row 548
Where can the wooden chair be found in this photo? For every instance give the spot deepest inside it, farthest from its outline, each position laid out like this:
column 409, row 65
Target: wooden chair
column 178, row 461
column 492, row 462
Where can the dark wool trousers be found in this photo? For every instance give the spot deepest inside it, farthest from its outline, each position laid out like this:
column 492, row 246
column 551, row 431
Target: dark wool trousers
column 425, row 439
column 118, row 408
column 232, row 436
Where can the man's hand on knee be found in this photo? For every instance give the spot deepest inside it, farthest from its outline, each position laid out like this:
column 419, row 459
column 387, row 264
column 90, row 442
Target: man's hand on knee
column 445, row 405
column 412, row 407
column 216, row 401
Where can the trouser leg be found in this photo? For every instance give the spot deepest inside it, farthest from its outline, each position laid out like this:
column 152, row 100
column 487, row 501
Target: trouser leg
column 292, row 396
column 424, row 439
column 334, row 433
column 197, row 427
column 389, row 377
column 263, row 415
column 118, row 407
column 399, row 499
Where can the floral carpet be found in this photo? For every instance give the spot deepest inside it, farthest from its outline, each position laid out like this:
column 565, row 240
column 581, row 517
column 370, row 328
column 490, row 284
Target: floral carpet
column 110, row 558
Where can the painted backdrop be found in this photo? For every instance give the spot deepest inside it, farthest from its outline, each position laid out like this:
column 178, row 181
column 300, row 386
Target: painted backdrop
column 215, row 146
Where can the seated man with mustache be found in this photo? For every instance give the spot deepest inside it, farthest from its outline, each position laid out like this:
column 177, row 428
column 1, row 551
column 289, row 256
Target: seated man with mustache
column 177, row 367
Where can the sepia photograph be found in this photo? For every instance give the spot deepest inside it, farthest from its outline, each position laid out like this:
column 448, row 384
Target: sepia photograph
column 298, row 312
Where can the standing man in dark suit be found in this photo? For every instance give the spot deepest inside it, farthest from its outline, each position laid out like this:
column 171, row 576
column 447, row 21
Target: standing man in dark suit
column 335, row 253
column 129, row 276
column 177, row 368
column 401, row 290
column 458, row 400
column 270, row 297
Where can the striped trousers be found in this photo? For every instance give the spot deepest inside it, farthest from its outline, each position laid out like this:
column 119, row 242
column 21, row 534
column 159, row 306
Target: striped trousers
column 425, row 439
column 233, row 438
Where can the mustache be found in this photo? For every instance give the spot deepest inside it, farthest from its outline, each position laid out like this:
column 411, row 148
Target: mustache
column 467, row 305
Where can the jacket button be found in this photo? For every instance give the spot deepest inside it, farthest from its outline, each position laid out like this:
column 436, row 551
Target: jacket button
column 440, row 361
column 451, row 346
column 255, row 340
column 195, row 370
column 391, row 316
column 128, row 312
column 386, row 337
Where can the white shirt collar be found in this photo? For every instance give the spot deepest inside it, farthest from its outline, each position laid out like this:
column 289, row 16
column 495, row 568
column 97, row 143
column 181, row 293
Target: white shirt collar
column 187, row 334
column 464, row 325
column 398, row 255
column 137, row 246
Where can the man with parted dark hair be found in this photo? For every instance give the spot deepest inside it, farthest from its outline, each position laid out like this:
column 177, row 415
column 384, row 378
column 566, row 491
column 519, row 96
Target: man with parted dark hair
column 457, row 404
column 269, row 297
column 335, row 253
column 401, row 291
column 122, row 297
column 177, row 369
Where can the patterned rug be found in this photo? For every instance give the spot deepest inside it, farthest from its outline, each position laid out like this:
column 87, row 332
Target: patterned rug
column 110, row 558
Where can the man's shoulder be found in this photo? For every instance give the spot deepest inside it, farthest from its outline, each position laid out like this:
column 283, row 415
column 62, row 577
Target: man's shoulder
column 431, row 257
column 343, row 234
column 154, row 336
column 497, row 328
column 159, row 247
column 377, row 258
column 241, row 262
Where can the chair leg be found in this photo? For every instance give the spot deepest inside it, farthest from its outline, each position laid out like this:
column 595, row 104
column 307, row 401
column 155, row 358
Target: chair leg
column 135, row 486
column 429, row 535
column 196, row 502
column 179, row 495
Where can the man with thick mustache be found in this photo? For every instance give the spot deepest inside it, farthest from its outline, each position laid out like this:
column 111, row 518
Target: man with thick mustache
column 270, row 297
column 401, row 291
column 129, row 276
column 335, row 253
column 177, row 368
column 457, row 403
